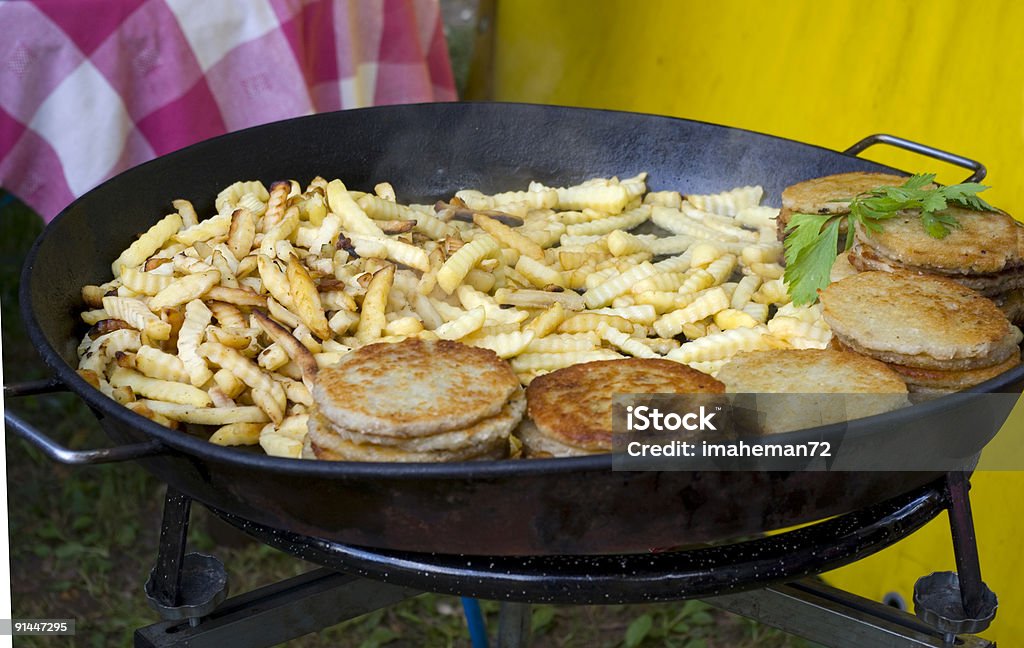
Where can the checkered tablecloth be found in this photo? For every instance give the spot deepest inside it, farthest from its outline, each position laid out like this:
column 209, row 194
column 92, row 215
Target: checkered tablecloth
column 89, row 88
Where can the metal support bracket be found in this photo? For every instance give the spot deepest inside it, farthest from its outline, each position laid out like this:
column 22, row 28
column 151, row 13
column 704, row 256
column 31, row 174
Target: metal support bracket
column 277, row 613
column 514, row 625
column 325, row 597
column 965, row 544
column 166, row 575
column 836, row 618
column 183, row 586
column 959, row 602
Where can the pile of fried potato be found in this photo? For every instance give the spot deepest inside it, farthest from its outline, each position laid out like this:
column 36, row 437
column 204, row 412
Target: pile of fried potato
column 225, row 321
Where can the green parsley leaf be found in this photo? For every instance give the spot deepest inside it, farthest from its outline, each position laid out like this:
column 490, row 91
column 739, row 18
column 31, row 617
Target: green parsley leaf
column 812, row 238
column 933, row 226
column 933, row 202
column 919, row 181
column 938, row 225
column 810, row 253
column 801, row 232
column 965, row 195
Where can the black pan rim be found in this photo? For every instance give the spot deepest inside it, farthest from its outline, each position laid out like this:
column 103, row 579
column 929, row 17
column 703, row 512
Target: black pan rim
column 188, row 444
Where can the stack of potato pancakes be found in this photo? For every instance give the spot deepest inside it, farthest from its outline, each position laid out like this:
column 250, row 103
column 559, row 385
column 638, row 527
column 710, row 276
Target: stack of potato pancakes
column 829, row 195
column 938, row 311
column 415, row 401
column 936, row 334
column 983, row 253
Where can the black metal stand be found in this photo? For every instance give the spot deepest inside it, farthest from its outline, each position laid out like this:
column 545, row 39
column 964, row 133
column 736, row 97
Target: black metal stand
column 837, row 619
column 514, row 625
column 277, row 613
column 957, row 602
column 171, row 553
column 627, row 578
column 756, row 578
column 965, row 544
column 183, row 586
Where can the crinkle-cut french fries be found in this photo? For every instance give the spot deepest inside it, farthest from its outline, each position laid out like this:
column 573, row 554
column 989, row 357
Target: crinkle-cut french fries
column 625, row 343
column 730, row 318
column 372, row 319
column 564, row 342
column 287, row 342
column 624, row 221
column 459, row 328
column 728, row 203
column 276, row 204
column 539, row 274
column 138, row 315
column 590, row 321
column 509, row 237
column 636, row 313
column 725, row 344
column 225, row 319
column 353, row 218
column 145, row 283
column 148, row 243
column 237, row 296
column 599, row 194
column 707, row 304
column 205, row 230
column 207, row 415
column 458, row 265
column 280, row 234
column 506, row 345
column 241, row 233
column 172, row 392
column 547, row 321
column 606, row 291
column 621, row 243
column 185, row 289
column 236, row 434
column 306, row 298
column 531, row 362
column 801, row 334
column 154, row 363
column 527, row 298
column 97, row 355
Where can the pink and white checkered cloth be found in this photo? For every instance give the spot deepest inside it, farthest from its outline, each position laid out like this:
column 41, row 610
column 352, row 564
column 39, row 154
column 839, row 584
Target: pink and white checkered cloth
column 89, row 88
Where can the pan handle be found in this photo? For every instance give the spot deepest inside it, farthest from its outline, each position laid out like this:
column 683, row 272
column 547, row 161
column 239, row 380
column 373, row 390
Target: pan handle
column 977, row 168
column 57, row 452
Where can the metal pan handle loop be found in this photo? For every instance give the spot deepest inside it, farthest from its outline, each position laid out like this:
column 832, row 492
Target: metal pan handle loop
column 57, row 452
column 977, row 168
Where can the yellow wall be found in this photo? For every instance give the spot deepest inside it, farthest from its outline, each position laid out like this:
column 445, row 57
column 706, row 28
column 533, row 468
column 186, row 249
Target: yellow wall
column 949, row 74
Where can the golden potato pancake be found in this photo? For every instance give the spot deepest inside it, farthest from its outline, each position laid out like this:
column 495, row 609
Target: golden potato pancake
column 918, row 320
column 414, row 387
column 573, row 405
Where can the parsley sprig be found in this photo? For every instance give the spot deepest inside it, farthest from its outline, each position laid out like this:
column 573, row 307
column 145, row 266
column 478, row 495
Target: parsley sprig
column 812, row 239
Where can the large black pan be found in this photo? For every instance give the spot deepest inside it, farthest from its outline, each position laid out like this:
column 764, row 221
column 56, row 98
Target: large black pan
column 569, row 506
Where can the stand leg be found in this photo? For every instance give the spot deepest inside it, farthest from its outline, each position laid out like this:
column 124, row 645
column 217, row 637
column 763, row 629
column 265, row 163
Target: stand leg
column 514, row 625
column 277, row 613
column 173, row 535
column 183, row 586
column 965, row 545
column 837, row 619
